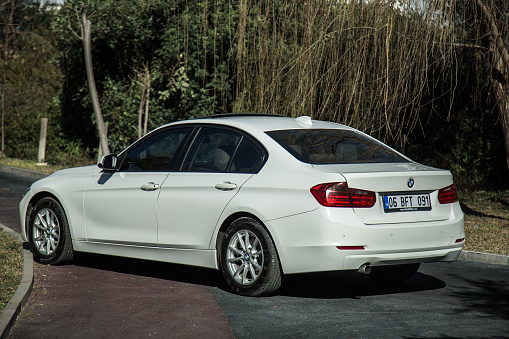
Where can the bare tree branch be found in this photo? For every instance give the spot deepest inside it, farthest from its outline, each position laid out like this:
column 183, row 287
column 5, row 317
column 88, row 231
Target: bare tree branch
column 67, row 9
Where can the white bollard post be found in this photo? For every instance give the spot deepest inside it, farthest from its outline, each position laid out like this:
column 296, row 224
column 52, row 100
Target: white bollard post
column 42, row 143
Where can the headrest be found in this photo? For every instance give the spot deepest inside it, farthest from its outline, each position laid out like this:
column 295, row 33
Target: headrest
column 221, row 158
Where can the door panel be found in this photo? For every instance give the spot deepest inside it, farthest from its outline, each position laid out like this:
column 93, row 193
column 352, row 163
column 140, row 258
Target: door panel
column 120, row 209
column 191, row 202
column 190, row 205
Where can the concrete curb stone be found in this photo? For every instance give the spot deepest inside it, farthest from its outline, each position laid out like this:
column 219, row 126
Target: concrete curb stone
column 13, row 308
column 487, row 258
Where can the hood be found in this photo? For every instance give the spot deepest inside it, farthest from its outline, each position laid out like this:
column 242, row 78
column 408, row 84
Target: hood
column 76, row 171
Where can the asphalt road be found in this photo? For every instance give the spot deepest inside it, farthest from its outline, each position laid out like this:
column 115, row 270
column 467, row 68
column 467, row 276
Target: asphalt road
column 12, row 188
column 103, row 296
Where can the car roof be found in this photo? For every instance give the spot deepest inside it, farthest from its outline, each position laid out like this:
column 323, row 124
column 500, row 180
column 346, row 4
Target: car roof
column 266, row 122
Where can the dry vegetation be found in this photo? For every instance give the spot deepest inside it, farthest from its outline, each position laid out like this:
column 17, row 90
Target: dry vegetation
column 10, row 267
column 486, row 221
column 32, row 165
column 363, row 64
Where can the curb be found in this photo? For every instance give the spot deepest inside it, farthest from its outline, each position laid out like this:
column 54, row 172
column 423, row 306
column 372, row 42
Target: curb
column 11, row 311
column 20, row 171
column 487, row 258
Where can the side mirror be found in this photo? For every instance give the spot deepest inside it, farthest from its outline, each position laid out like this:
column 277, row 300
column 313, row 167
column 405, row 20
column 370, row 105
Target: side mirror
column 108, row 162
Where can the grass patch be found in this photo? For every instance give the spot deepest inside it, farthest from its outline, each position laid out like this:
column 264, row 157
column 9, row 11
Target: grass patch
column 11, row 266
column 486, row 221
column 32, row 165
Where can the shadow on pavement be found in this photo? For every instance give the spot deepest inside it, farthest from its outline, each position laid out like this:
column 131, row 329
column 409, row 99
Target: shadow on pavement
column 323, row 285
column 153, row 269
column 351, row 285
column 489, row 297
column 468, row 211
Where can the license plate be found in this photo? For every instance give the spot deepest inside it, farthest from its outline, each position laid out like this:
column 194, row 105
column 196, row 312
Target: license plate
column 407, row 203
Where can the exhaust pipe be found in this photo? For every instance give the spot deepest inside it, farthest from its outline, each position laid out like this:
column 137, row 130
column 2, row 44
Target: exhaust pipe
column 365, row 269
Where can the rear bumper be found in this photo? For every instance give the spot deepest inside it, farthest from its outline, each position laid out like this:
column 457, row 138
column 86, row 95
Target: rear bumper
column 317, row 259
column 309, row 242
column 354, row 261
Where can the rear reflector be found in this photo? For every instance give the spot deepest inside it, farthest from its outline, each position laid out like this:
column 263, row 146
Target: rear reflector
column 460, row 240
column 448, row 195
column 350, row 247
column 340, row 195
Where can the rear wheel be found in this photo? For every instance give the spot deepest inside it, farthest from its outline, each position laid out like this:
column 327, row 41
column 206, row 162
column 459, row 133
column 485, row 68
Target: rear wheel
column 393, row 274
column 48, row 230
column 249, row 260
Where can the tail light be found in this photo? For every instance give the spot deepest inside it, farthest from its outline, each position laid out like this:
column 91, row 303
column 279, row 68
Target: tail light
column 340, row 195
column 448, row 195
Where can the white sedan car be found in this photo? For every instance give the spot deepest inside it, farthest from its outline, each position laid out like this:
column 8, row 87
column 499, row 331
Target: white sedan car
column 255, row 196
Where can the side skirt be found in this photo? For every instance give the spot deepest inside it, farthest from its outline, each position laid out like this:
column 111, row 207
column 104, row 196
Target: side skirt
column 193, row 257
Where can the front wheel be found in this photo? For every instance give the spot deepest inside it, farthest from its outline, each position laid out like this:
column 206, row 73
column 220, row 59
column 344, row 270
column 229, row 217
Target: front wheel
column 393, row 274
column 249, row 260
column 48, row 230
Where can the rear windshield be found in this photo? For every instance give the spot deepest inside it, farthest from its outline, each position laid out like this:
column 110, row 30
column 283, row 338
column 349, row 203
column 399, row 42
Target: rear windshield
column 334, row 146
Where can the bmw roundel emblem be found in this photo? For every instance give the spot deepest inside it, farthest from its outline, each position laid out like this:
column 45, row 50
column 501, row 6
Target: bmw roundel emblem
column 410, row 183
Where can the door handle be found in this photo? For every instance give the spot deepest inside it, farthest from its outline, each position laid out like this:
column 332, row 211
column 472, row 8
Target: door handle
column 150, row 186
column 226, row 186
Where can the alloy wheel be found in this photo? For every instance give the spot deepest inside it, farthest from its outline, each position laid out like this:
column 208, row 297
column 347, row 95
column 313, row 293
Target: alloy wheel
column 46, row 232
column 244, row 256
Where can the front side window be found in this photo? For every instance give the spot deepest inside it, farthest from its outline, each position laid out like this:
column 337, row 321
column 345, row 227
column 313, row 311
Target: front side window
column 156, row 152
column 218, row 150
column 334, row 146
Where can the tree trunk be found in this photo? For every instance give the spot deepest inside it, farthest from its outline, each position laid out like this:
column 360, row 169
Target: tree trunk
column 500, row 70
column 147, row 100
column 501, row 92
column 87, row 45
column 494, row 32
column 142, row 104
column 9, row 30
column 2, row 151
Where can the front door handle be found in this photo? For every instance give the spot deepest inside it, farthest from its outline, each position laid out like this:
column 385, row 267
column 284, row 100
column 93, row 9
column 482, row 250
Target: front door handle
column 226, row 186
column 150, row 186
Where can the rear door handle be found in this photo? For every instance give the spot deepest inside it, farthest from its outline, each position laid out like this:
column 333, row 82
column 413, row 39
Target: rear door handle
column 226, row 186
column 150, row 186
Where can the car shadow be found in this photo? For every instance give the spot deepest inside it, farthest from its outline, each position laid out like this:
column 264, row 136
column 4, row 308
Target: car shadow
column 351, row 285
column 105, row 176
column 151, row 269
column 468, row 211
column 323, row 285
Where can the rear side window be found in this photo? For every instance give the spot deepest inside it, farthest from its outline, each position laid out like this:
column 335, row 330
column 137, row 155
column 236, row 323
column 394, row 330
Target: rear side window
column 334, row 146
column 211, row 151
column 221, row 150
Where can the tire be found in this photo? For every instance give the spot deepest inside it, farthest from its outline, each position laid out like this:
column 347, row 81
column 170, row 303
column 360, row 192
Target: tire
column 393, row 274
column 249, row 260
column 48, row 233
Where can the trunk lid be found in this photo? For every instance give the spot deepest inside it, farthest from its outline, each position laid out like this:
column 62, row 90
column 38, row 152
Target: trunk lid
column 405, row 183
